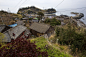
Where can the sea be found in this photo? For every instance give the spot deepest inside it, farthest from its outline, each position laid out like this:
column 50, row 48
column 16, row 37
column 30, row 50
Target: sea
column 68, row 12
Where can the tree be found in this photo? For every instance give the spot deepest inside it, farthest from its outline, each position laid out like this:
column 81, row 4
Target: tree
column 40, row 15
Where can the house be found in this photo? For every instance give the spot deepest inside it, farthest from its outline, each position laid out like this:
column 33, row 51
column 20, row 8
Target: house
column 31, row 15
column 25, row 19
column 15, row 32
column 20, row 23
column 49, row 15
column 35, row 20
column 39, row 29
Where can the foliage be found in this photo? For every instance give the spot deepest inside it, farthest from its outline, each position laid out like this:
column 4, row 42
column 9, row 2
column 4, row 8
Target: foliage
column 2, row 11
column 17, row 16
column 44, row 45
column 55, row 22
column 20, row 47
column 70, row 37
column 30, row 18
column 51, row 10
column 29, row 10
column 1, row 37
column 40, row 15
column 57, row 31
column 47, row 20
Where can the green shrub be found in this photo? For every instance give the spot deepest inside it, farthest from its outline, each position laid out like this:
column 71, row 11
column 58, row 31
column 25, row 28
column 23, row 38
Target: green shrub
column 30, row 18
column 55, row 22
column 47, row 20
column 70, row 37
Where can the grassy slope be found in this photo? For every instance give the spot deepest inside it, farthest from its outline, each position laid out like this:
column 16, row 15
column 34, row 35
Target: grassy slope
column 52, row 52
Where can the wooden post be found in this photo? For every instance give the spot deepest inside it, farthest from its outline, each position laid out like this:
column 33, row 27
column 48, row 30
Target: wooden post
column 71, row 19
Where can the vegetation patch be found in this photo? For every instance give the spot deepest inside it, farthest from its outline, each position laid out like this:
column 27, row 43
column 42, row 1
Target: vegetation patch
column 53, row 22
column 44, row 45
column 70, row 37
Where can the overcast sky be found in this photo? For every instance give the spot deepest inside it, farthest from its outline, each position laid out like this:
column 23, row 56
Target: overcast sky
column 14, row 5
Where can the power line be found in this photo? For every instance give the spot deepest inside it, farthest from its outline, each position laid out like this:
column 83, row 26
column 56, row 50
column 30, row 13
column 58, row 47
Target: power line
column 59, row 4
column 23, row 2
column 83, row 10
column 18, row 4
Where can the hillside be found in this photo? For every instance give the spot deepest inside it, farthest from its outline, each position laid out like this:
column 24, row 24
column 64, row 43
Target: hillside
column 8, row 18
column 34, row 10
column 52, row 49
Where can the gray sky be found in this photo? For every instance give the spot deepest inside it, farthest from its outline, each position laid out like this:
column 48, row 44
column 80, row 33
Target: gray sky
column 14, row 5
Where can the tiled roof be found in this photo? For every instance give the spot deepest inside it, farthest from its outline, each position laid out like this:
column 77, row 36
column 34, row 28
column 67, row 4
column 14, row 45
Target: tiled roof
column 40, row 27
column 17, row 31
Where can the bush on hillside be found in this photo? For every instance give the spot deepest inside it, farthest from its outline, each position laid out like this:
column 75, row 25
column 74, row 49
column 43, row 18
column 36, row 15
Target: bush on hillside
column 55, row 22
column 1, row 37
column 70, row 37
column 45, row 46
column 47, row 20
column 21, row 48
column 30, row 18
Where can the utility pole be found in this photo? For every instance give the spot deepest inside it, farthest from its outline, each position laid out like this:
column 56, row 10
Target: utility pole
column 9, row 16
